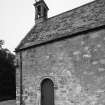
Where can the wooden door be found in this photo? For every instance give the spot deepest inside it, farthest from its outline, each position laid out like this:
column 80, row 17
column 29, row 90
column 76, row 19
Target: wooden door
column 47, row 92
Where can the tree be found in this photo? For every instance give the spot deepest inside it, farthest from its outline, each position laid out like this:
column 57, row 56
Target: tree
column 7, row 73
column 1, row 43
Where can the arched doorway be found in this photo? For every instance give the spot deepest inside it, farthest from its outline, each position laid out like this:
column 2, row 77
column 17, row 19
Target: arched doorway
column 47, row 92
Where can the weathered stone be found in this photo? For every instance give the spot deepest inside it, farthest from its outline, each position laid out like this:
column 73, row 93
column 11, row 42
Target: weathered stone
column 74, row 64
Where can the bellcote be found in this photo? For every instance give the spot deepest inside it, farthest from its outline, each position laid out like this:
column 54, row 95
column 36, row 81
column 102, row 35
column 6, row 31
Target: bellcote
column 41, row 11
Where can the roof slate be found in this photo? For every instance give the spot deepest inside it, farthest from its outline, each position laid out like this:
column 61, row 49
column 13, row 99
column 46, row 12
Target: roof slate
column 80, row 19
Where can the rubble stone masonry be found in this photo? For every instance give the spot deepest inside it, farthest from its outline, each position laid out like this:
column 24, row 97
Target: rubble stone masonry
column 76, row 65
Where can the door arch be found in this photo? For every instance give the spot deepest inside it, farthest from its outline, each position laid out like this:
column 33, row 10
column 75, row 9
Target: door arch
column 47, row 92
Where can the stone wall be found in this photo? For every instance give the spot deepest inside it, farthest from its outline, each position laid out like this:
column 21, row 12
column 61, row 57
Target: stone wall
column 76, row 66
column 18, row 79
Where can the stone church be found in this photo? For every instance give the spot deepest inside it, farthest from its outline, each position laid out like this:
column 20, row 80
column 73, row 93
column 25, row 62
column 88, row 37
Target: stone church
column 61, row 60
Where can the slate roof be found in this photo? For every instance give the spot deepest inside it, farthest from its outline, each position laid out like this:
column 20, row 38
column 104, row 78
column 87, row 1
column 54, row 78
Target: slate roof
column 80, row 19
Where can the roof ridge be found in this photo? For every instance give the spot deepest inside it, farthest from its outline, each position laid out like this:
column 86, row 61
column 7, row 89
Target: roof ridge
column 68, row 11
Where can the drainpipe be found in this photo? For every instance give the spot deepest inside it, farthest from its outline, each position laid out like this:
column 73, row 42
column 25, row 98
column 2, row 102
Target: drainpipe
column 21, row 90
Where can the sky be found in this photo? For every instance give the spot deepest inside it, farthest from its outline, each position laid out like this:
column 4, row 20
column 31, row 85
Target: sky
column 17, row 17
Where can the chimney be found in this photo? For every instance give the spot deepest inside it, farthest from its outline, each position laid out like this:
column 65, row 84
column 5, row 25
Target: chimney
column 41, row 11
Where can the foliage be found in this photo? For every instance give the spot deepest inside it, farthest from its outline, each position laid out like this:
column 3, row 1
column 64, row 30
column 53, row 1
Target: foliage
column 7, row 74
column 1, row 43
